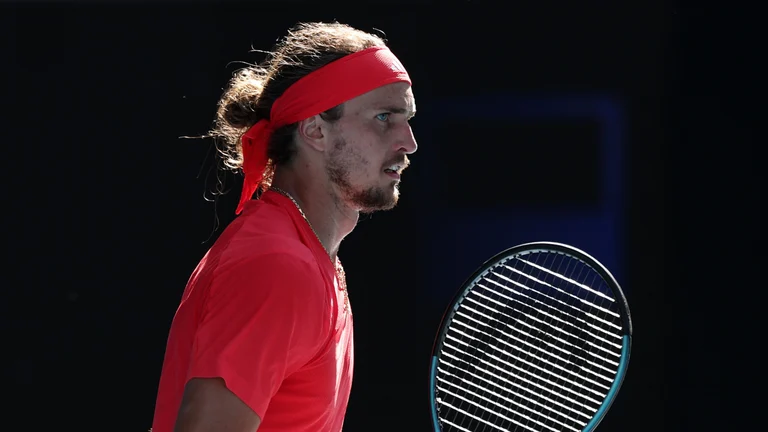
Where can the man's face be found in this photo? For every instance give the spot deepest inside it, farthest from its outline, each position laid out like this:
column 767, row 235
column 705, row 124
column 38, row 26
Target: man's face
column 370, row 145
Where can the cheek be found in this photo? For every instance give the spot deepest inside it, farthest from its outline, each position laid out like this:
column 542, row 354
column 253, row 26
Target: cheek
column 363, row 149
column 351, row 156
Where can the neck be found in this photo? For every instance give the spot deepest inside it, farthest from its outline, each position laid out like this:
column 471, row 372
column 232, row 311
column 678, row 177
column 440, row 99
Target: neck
column 331, row 219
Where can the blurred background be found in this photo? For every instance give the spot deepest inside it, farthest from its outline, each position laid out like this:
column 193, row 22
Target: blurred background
column 622, row 128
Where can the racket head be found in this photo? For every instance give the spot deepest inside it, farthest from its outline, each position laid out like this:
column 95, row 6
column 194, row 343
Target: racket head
column 608, row 283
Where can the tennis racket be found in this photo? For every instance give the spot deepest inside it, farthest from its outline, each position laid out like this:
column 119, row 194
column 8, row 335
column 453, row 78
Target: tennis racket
column 537, row 339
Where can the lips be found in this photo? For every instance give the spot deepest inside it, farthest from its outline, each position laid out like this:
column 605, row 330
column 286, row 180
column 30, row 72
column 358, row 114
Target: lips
column 397, row 166
column 394, row 174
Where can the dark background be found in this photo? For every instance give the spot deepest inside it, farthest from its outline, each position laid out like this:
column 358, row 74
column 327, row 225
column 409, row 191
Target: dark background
column 106, row 215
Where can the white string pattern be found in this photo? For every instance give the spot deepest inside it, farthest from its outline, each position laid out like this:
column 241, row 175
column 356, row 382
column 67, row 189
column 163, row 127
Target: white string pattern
column 535, row 346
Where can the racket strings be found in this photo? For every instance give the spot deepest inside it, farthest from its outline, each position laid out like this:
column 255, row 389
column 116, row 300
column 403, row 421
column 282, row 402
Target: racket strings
column 535, row 345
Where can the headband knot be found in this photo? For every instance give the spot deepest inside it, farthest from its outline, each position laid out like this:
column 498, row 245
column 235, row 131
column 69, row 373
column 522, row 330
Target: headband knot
column 254, row 142
column 319, row 91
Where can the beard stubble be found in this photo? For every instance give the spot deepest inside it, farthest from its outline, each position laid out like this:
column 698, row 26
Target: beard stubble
column 343, row 159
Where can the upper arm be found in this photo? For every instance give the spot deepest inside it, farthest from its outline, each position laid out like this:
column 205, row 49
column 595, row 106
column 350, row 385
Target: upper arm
column 208, row 405
column 262, row 321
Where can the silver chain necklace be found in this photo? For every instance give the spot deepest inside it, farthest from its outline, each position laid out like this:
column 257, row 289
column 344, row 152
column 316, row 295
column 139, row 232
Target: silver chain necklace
column 339, row 269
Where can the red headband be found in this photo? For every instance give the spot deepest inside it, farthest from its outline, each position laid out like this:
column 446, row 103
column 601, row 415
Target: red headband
column 321, row 90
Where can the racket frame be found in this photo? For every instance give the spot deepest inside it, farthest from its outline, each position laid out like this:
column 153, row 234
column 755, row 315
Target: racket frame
column 527, row 248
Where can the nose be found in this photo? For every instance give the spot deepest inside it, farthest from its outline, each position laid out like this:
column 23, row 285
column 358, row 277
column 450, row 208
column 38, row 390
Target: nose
column 407, row 144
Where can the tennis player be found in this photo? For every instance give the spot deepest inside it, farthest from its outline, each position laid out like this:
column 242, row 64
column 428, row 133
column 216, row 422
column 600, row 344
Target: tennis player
column 263, row 336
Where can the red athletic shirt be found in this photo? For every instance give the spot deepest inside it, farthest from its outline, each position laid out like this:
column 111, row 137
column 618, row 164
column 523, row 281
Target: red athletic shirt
column 263, row 310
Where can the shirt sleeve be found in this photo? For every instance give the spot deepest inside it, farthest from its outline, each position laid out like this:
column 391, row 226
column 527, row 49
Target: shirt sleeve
column 261, row 322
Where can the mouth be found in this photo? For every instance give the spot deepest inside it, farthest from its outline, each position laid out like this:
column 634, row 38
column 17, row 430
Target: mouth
column 392, row 174
column 394, row 170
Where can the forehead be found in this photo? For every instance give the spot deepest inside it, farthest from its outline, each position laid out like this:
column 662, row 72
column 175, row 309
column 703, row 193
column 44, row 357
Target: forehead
column 391, row 96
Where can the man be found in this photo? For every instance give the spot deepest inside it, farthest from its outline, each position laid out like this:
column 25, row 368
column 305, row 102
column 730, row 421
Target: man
column 263, row 337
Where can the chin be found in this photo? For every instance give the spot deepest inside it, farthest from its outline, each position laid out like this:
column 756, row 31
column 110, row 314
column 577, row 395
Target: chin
column 378, row 199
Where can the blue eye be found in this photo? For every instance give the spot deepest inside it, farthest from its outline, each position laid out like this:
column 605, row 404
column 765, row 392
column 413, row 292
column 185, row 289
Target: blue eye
column 382, row 117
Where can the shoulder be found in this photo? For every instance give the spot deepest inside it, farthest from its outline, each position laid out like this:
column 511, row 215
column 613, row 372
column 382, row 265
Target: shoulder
column 261, row 254
column 273, row 288
column 265, row 228
column 266, row 263
column 265, row 254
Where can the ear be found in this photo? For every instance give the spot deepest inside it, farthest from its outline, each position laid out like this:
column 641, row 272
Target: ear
column 311, row 130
